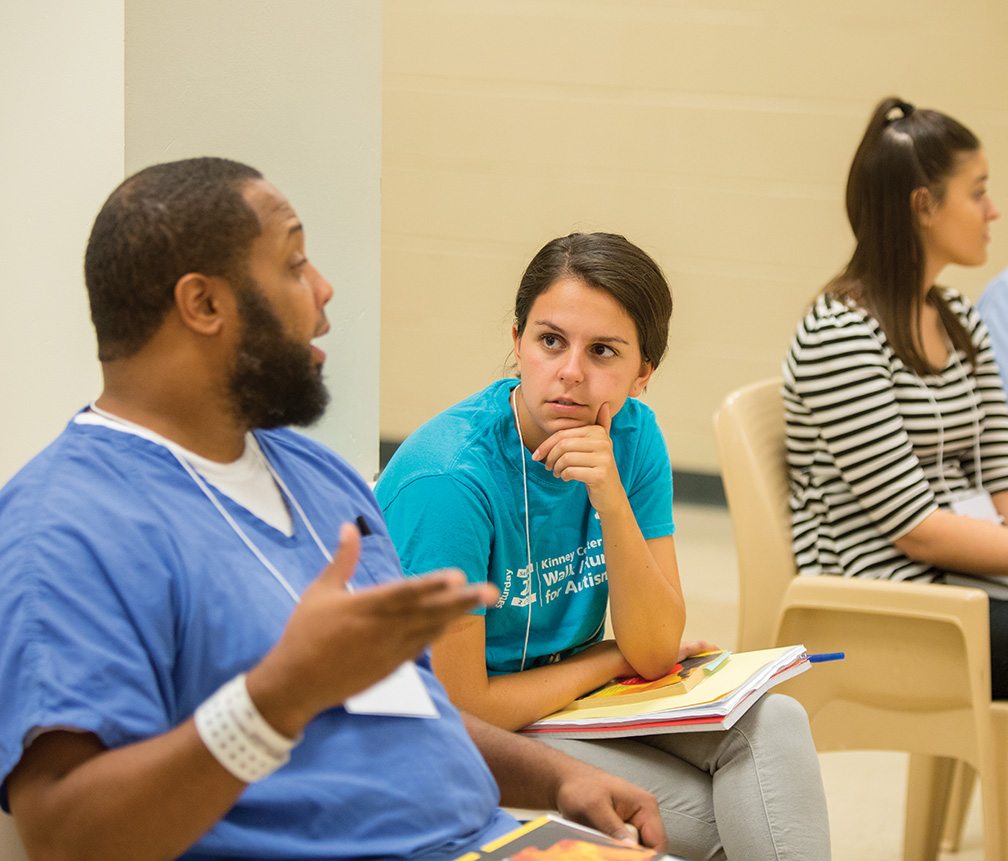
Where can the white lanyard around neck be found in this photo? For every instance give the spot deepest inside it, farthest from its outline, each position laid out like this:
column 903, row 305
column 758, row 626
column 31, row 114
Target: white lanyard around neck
column 401, row 693
column 533, row 597
column 210, row 495
column 974, row 416
column 528, row 533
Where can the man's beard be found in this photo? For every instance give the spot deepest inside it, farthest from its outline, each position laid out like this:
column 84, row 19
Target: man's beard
column 274, row 381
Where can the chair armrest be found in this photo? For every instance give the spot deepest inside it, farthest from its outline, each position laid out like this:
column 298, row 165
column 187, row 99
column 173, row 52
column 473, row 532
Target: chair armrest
column 888, row 617
column 914, row 651
column 888, row 597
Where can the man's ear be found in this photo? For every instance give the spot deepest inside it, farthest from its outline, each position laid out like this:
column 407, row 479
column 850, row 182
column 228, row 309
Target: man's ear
column 639, row 384
column 200, row 300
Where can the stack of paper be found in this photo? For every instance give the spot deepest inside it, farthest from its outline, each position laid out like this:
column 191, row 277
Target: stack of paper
column 551, row 838
column 715, row 703
column 684, row 677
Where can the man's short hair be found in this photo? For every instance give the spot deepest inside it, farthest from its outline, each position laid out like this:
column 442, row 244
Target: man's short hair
column 160, row 224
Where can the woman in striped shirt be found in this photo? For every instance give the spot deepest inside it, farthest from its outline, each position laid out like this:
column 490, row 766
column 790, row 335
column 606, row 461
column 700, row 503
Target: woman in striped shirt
column 897, row 428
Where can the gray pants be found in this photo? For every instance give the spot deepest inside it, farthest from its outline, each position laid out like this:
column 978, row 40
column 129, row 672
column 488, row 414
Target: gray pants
column 750, row 793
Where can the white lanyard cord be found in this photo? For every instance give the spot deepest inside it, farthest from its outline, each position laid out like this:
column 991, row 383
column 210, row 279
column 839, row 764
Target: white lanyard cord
column 521, row 451
column 528, row 538
column 248, row 542
column 974, row 415
column 941, row 438
column 202, row 485
column 528, row 533
column 297, row 507
column 209, row 494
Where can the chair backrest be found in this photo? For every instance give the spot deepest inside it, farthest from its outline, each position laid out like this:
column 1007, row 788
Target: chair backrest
column 749, row 428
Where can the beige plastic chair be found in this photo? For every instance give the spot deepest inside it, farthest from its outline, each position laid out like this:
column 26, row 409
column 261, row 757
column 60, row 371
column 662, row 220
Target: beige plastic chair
column 10, row 844
column 917, row 673
column 960, row 796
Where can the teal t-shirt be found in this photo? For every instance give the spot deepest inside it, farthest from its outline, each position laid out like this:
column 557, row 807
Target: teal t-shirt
column 453, row 496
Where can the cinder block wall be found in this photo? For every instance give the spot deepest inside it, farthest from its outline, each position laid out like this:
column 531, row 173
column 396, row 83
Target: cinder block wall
column 716, row 134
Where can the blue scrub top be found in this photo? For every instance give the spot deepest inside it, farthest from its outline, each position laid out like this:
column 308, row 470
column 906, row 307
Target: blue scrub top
column 126, row 600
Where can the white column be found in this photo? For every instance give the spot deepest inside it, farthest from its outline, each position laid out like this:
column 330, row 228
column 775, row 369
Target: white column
column 61, row 152
column 293, row 89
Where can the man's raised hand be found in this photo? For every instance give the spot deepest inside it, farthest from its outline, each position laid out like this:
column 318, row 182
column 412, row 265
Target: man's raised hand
column 337, row 643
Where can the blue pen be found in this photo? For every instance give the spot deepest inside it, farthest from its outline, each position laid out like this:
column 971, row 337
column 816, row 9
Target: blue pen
column 826, row 656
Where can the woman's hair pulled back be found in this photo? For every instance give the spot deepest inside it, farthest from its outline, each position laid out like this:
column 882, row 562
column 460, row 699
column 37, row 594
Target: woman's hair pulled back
column 613, row 264
column 903, row 149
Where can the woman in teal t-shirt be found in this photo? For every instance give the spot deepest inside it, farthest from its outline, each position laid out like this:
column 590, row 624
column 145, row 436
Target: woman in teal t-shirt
column 556, row 487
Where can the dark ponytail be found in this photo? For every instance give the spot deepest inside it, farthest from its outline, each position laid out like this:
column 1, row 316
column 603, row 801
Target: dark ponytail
column 903, row 149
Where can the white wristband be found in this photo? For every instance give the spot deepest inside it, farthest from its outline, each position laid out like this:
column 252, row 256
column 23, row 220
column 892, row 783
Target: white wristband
column 238, row 736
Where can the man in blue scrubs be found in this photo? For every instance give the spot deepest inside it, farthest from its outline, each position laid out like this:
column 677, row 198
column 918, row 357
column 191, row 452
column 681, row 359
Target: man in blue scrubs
column 993, row 308
column 179, row 677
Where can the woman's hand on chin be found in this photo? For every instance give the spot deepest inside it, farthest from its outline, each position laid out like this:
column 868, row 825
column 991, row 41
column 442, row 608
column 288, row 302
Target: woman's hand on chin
column 585, row 454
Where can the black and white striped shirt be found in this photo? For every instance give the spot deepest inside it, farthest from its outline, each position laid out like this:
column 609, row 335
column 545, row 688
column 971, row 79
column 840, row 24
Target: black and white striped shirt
column 863, row 435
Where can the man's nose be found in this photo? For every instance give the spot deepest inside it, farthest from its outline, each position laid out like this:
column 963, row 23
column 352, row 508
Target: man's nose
column 320, row 286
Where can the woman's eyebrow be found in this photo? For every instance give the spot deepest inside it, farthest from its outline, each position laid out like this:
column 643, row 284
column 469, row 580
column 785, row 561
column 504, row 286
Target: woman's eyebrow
column 605, row 339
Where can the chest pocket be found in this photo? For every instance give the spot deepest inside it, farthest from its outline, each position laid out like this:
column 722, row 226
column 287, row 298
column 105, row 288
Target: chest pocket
column 378, row 563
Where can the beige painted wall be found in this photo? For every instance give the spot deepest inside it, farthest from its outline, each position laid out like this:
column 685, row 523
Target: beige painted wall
column 61, row 150
column 714, row 133
column 294, row 89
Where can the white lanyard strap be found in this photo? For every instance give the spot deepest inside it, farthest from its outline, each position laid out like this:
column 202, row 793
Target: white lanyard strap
column 974, row 415
column 528, row 534
column 297, row 507
column 521, row 454
column 209, row 494
column 248, row 542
